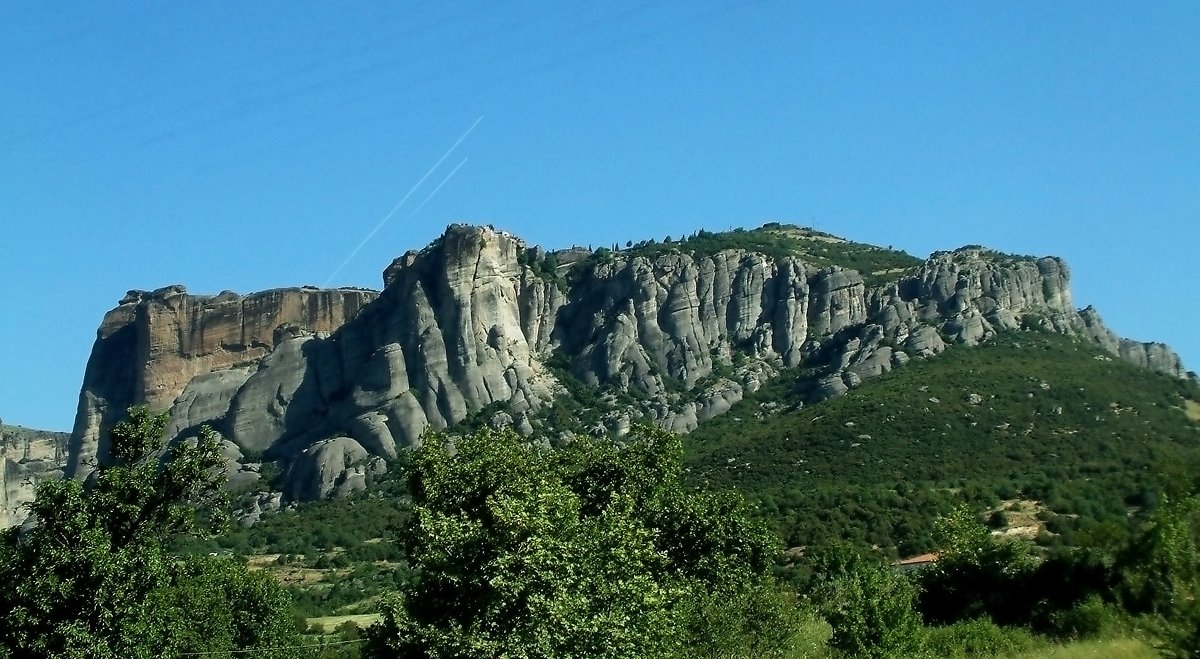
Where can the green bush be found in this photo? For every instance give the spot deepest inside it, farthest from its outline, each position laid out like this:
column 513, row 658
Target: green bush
column 979, row 637
column 591, row 550
column 868, row 604
column 1091, row 618
column 93, row 577
column 1159, row 573
column 757, row 621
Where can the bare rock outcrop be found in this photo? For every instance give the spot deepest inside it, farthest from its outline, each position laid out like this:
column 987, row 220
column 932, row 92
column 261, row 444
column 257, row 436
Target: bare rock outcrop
column 331, row 384
column 1154, row 356
column 153, row 345
column 277, row 373
column 27, row 457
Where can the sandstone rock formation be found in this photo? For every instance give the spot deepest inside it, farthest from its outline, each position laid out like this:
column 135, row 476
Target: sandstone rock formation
column 328, row 384
column 155, row 345
column 29, row 457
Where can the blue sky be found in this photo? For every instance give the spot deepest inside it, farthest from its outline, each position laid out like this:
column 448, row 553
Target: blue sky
column 244, row 146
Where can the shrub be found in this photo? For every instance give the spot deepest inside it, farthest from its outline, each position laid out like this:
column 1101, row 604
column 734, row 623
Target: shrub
column 1090, row 618
column 93, row 578
column 868, row 605
column 979, row 637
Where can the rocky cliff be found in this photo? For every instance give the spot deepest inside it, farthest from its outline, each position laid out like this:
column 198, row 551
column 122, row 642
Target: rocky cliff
column 29, row 457
column 329, row 384
column 155, row 345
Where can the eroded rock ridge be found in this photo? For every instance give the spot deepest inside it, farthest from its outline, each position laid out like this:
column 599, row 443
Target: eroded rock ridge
column 330, row 384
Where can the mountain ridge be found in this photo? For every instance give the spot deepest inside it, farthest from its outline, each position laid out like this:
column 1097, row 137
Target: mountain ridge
column 330, row 383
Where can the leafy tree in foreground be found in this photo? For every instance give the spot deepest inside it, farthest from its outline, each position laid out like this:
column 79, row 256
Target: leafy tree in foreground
column 92, row 577
column 869, row 605
column 1159, row 572
column 976, row 574
column 592, row 550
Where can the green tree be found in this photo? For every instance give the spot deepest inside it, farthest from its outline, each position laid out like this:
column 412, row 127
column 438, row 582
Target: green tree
column 753, row 621
column 92, row 577
column 592, row 550
column 1159, row 573
column 869, row 605
column 1160, row 568
column 976, row 574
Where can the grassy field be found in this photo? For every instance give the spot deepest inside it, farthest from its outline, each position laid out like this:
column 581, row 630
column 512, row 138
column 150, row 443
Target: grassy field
column 1126, row 648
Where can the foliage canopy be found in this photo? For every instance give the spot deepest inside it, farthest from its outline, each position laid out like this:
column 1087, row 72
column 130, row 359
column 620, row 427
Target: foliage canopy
column 869, row 605
column 592, row 550
column 92, row 577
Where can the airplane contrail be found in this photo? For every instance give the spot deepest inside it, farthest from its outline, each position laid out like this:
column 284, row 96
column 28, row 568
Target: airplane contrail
column 405, row 198
column 435, row 190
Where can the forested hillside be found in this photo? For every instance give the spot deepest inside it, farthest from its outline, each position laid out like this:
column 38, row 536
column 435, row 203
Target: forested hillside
column 1028, row 416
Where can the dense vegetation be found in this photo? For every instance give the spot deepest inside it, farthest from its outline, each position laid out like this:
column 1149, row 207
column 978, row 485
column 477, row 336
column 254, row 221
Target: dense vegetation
column 1028, row 416
column 333, row 556
column 591, row 550
column 92, row 578
column 497, row 546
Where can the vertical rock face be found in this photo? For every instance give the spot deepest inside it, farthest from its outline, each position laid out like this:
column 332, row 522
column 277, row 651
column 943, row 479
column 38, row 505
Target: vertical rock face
column 329, row 384
column 969, row 294
column 633, row 321
column 155, row 344
column 457, row 328
column 652, row 325
column 29, row 457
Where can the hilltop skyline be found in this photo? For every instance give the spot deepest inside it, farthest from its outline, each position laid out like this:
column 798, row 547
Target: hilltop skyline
column 252, row 147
